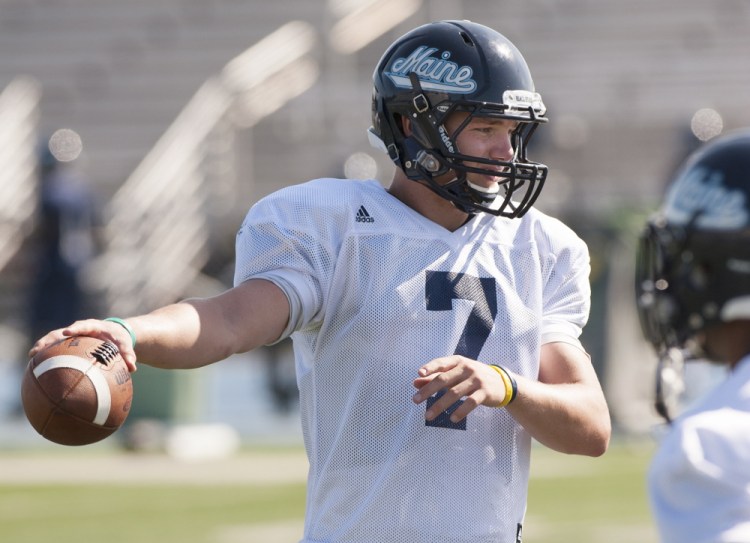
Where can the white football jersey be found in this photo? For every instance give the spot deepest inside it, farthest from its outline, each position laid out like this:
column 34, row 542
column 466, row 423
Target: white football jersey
column 376, row 290
column 699, row 479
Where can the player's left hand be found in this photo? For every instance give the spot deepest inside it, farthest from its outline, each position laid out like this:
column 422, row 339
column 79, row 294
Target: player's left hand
column 101, row 329
column 459, row 378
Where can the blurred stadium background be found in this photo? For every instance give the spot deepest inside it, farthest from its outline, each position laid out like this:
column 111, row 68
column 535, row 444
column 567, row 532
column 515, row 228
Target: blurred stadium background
column 177, row 115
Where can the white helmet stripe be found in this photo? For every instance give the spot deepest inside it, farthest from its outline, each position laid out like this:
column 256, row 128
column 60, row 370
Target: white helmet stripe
column 95, row 375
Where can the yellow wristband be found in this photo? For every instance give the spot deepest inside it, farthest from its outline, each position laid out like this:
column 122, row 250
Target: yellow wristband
column 511, row 388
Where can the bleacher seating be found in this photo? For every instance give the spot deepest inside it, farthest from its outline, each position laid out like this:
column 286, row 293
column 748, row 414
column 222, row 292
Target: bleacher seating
column 119, row 73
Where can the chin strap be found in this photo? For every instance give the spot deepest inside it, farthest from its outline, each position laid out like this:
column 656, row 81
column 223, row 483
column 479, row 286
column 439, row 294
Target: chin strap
column 670, row 382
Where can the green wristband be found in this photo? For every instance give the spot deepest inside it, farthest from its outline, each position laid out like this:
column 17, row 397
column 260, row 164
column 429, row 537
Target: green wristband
column 125, row 325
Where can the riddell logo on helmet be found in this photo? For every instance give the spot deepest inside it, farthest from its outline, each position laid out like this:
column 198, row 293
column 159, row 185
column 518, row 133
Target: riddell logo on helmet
column 446, row 139
column 435, row 74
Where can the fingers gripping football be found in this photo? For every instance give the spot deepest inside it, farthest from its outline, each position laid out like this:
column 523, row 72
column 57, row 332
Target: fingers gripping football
column 100, row 329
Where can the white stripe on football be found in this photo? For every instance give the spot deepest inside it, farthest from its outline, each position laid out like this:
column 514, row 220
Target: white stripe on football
column 104, row 398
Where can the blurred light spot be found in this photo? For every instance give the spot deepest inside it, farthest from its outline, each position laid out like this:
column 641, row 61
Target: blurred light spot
column 570, row 132
column 706, row 124
column 360, row 166
column 65, row 145
column 341, row 8
column 368, row 22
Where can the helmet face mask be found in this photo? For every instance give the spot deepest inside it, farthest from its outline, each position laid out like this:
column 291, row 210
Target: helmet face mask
column 443, row 69
column 663, row 270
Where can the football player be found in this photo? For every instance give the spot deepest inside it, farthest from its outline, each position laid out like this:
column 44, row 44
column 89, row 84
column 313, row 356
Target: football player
column 435, row 322
column 693, row 294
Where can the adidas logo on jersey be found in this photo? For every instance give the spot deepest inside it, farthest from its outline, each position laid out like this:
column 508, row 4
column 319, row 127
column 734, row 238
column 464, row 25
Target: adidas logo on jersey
column 363, row 215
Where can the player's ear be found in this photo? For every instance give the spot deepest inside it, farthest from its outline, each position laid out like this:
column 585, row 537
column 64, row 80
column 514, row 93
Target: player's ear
column 406, row 129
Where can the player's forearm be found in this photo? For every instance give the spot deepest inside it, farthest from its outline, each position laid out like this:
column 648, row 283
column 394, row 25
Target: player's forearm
column 180, row 336
column 571, row 418
column 201, row 331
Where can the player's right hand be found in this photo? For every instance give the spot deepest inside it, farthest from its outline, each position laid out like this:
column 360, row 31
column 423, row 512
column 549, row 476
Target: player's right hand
column 100, row 329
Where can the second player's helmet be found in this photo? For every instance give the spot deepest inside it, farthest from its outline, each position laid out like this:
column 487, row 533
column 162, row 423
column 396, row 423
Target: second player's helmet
column 693, row 266
column 457, row 66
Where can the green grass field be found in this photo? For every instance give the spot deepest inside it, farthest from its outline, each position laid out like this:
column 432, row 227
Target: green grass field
column 590, row 500
column 572, row 499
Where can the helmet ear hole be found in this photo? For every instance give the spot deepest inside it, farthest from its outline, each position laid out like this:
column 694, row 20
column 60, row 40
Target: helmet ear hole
column 467, row 39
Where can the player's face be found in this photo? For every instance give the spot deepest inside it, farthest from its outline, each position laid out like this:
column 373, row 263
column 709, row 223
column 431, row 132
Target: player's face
column 486, row 138
column 725, row 342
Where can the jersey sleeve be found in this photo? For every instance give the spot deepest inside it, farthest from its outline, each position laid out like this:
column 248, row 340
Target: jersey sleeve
column 280, row 242
column 567, row 291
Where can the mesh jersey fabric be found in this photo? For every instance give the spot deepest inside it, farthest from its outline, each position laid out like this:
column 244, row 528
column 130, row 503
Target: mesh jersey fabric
column 699, row 478
column 376, row 290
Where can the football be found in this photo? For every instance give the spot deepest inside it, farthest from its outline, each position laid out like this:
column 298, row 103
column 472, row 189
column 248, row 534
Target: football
column 77, row 391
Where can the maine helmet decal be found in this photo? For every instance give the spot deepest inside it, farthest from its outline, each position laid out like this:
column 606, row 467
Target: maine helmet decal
column 703, row 195
column 436, row 74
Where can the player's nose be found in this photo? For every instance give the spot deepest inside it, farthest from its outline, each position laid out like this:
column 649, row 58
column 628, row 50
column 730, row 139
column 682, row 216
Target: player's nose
column 502, row 147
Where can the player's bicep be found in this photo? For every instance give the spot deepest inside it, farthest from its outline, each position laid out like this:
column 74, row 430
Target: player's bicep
column 253, row 313
column 563, row 363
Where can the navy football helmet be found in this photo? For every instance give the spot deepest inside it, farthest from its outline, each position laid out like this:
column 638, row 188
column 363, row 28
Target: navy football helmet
column 457, row 66
column 694, row 258
column 693, row 263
